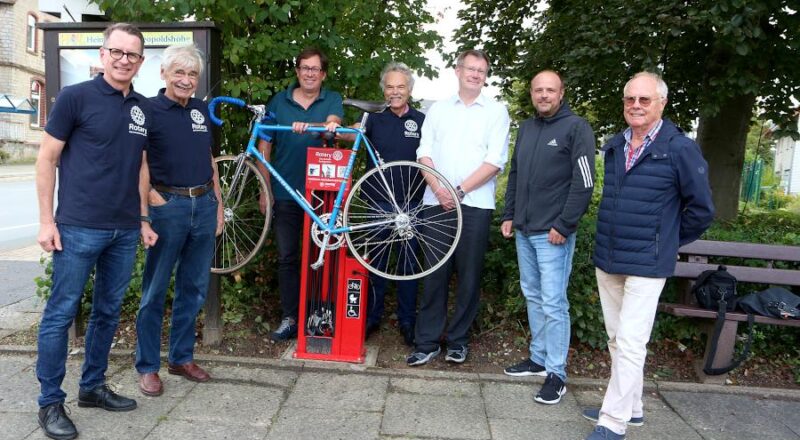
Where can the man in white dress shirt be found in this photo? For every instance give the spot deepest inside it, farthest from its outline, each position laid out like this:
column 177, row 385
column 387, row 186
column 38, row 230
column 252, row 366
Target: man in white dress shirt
column 465, row 138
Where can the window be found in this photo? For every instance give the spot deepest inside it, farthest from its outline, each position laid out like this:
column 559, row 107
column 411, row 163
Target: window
column 38, row 103
column 30, row 34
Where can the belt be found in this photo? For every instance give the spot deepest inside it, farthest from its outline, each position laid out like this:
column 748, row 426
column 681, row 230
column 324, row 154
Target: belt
column 192, row 191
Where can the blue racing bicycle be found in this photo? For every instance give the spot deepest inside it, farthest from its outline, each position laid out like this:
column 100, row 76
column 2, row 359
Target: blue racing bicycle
column 383, row 221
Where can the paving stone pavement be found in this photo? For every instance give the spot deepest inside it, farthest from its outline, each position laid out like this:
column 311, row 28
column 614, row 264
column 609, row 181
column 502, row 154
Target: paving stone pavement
column 289, row 399
column 277, row 400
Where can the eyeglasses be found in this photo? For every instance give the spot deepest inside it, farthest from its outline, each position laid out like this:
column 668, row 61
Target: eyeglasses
column 117, row 54
column 474, row 70
column 308, row 69
column 644, row 101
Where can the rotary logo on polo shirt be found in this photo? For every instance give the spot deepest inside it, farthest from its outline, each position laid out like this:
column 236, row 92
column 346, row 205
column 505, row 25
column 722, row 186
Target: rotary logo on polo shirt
column 411, row 129
column 137, row 116
column 198, row 121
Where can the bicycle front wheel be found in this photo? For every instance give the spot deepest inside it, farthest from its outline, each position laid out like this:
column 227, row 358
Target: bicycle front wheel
column 245, row 226
column 404, row 240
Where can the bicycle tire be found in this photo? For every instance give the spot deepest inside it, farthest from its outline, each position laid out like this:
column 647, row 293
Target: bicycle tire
column 245, row 227
column 381, row 248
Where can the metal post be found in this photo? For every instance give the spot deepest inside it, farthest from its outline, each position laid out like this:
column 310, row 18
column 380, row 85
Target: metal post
column 212, row 328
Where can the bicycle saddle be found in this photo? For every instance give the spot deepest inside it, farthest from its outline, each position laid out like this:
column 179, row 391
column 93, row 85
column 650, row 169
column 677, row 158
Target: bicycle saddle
column 367, row 106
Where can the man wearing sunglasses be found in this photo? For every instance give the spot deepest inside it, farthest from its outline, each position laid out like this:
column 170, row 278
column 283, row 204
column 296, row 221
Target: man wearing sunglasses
column 656, row 198
column 95, row 135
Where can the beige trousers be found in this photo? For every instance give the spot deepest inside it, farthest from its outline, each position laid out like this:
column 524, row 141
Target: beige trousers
column 629, row 308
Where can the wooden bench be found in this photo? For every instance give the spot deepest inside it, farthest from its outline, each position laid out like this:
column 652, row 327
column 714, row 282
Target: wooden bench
column 702, row 255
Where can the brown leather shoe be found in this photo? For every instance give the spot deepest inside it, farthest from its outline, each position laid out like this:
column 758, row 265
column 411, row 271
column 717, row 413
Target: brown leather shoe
column 190, row 371
column 150, row 384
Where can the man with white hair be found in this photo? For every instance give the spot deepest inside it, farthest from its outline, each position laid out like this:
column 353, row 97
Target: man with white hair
column 395, row 134
column 182, row 206
column 656, row 198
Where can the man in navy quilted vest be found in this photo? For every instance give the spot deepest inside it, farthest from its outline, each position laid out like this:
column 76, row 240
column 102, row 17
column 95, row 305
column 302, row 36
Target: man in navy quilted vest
column 656, row 198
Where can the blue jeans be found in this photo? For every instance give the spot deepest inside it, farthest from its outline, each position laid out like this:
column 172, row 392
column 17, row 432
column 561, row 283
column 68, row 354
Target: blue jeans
column 112, row 253
column 544, row 270
column 186, row 229
column 406, row 290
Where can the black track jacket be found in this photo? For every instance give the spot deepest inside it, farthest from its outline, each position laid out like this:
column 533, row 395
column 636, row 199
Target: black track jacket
column 552, row 173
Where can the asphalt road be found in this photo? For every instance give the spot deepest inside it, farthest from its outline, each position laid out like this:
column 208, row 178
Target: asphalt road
column 19, row 215
column 17, row 281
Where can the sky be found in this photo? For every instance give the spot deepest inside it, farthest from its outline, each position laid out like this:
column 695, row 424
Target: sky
column 446, row 84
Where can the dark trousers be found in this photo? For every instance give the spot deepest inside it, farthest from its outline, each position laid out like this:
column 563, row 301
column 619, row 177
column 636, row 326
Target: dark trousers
column 288, row 226
column 406, row 290
column 467, row 261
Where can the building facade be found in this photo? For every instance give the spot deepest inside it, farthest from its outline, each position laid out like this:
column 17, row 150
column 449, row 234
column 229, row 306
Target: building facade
column 787, row 163
column 22, row 74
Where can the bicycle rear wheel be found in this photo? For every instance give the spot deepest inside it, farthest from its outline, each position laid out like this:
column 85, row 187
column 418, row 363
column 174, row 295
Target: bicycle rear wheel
column 245, row 226
column 403, row 244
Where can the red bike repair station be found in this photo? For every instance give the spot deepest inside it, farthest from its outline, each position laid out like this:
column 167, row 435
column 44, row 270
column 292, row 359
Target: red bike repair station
column 333, row 298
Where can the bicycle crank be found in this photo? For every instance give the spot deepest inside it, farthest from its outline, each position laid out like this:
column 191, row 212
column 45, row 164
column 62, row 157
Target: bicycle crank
column 317, row 234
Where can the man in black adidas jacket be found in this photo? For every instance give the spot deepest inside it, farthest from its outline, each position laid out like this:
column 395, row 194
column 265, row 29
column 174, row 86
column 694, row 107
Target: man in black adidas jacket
column 549, row 188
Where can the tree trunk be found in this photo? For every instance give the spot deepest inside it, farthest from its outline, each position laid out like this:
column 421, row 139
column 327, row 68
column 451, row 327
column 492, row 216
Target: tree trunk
column 722, row 139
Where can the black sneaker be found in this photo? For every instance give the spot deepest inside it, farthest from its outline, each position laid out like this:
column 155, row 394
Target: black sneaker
column 287, row 330
column 54, row 422
column 105, row 398
column 526, row 368
column 407, row 330
column 422, row 357
column 551, row 391
column 457, row 355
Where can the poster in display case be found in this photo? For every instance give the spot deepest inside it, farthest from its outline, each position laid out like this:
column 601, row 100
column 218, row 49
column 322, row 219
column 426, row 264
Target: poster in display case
column 72, row 54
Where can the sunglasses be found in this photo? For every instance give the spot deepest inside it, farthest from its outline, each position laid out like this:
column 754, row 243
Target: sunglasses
column 644, row 101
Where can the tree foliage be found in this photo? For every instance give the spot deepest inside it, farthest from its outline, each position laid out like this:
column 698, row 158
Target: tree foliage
column 260, row 38
column 709, row 51
column 722, row 59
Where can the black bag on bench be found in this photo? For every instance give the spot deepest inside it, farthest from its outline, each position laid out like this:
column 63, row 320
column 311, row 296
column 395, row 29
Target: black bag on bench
column 716, row 290
column 775, row 302
column 714, row 287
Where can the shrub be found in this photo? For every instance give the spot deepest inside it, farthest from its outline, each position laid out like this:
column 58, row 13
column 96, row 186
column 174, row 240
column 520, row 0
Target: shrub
column 503, row 299
column 133, row 295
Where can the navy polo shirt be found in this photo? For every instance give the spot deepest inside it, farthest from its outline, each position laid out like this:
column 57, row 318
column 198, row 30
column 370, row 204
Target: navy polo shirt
column 289, row 149
column 179, row 144
column 104, row 134
column 396, row 138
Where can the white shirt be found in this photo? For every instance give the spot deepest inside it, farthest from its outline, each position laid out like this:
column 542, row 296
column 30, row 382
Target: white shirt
column 459, row 138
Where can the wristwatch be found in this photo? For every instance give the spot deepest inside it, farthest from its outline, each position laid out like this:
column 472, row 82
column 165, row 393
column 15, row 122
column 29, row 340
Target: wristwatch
column 145, row 218
column 460, row 193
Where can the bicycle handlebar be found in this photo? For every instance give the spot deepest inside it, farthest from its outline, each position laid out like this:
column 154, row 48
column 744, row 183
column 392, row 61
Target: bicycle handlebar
column 212, row 106
column 259, row 111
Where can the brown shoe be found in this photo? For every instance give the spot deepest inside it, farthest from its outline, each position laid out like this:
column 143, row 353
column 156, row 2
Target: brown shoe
column 190, row 371
column 150, row 384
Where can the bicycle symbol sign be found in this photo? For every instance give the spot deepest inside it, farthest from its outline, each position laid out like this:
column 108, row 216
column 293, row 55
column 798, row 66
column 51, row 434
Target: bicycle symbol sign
column 353, row 298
